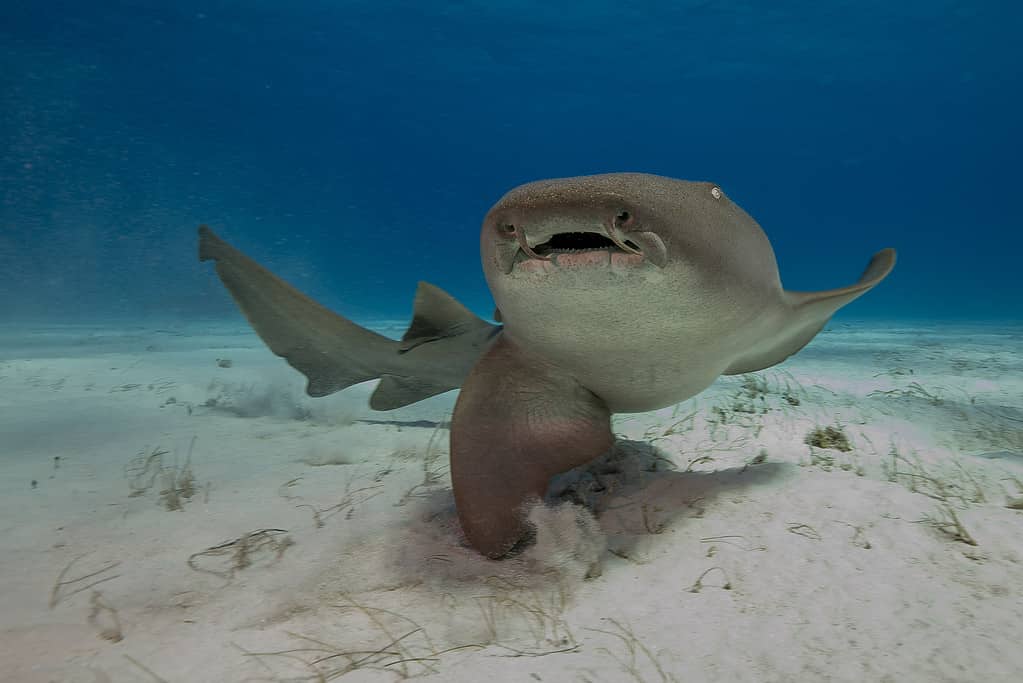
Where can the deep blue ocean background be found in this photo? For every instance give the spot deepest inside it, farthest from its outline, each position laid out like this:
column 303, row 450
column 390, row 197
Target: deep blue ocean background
column 354, row 147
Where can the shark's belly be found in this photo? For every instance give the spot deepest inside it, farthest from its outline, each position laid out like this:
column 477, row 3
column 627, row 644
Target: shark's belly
column 638, row 387
column 634, row 378
column 639, row 347
column 649, row 367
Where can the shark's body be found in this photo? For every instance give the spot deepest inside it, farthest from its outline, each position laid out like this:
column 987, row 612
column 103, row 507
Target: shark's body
column 617, row 293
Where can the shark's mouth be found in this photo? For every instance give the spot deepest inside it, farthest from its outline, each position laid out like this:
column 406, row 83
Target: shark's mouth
column 575, row 242
column 582, row 249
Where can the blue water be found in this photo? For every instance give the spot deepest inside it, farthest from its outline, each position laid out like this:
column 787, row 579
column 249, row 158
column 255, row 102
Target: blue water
column 354, row 147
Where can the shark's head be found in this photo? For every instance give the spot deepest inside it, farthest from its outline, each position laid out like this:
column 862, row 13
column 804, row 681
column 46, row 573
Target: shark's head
column 619, row 262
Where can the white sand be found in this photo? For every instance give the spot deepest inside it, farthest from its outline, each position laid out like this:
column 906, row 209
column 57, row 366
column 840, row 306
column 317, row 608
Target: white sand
column 815, row 565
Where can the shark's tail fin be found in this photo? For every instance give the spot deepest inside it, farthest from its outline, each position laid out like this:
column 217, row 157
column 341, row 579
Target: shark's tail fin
column 436, row 354
column 331, row 351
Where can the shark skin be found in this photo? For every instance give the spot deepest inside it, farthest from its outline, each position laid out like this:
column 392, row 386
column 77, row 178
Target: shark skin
column 616, row 293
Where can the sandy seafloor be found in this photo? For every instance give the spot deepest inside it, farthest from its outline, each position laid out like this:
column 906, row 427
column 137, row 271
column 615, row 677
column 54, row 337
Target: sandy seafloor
column 314, row 539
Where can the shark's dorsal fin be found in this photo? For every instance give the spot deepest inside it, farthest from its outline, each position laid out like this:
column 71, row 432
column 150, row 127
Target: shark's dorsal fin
column 437, row 315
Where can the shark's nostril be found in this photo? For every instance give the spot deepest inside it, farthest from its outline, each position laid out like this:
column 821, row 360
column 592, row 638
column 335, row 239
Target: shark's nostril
column 526, row 249
column 506, row 229
column 622, row 221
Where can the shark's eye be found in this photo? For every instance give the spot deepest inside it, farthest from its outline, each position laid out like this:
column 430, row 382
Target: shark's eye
column 715, row 192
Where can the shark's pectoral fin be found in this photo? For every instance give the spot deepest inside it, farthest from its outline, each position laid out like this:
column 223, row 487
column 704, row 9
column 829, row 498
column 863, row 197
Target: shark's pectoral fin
column 518, row 422
column 809, row 312
column 331, row 351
